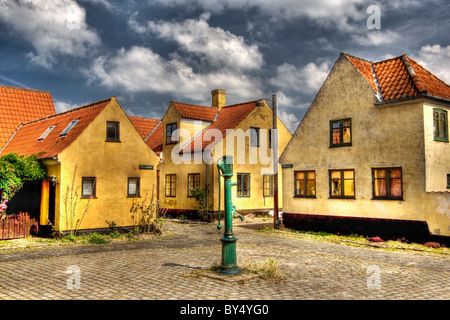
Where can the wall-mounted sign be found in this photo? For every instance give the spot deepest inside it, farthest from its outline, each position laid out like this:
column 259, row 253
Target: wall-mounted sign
column 286, row 166
column 145, row 167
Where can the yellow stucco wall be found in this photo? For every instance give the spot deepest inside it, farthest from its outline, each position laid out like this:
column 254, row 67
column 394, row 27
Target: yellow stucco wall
column 390, row 135
column 111, row 163
column 261, row 117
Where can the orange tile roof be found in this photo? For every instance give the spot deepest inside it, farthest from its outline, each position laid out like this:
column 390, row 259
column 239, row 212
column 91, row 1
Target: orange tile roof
column 229, row 117
column 143, row 125
column 196, row 112
column 400, row 78
column 155, row 139
column 25, row 139
column 18, row 105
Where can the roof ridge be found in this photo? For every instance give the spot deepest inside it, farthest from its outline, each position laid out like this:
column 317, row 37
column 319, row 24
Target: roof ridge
column 239, row 104
column 24, row 89
column 192, row 104
column 69, row 111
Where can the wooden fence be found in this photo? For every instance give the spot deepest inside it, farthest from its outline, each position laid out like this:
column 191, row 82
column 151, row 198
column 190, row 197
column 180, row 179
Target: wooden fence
column 17, row 226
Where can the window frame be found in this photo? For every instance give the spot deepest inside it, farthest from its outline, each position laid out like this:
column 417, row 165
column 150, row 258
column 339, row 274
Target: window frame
column 342, row 180
column 341, row 133
column 445, row 128
column 387, row 185
column 138, row 187
column 305, row 183
column 189, row 192
column 172, row 193
column 271, row 185
column 69, row 127
column 252, row 137
column 46, row 133
column 94, row 188
column 175, row 141
column 242, row 181
column 117, row 127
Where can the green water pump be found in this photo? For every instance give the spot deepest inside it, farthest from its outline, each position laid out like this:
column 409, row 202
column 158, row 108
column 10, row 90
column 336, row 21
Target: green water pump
column 225, row 169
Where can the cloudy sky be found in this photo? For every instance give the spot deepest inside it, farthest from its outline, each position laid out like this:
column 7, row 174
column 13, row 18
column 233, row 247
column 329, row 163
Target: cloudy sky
column 147, row 53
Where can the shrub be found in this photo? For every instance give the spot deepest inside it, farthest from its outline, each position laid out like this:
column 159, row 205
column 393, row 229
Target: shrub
column 95, row 238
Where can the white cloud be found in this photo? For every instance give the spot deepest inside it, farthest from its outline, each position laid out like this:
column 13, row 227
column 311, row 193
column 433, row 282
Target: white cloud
column 289, row 120
column 436, row 59
column 61, row 106
column 376, row 37
column 308, row 79
column 215, row 47
column 139, row 69
column 52, row 27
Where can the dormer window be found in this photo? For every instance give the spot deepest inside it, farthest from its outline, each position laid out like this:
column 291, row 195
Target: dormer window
column 112, row 131
column 69, row 127
column 46, row 133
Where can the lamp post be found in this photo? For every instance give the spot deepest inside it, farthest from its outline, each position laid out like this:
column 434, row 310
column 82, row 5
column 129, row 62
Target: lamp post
column 229, row 266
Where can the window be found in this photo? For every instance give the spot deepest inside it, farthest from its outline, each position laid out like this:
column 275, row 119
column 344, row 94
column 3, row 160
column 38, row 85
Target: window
column 243, row 184
column 46, row 133
column 342, row 184
column 254, row 137
column 69, row 127
column 305, row 184
column 134, row 187
column 170, row 129
column 341, row 133
column 193, row 182
column 89, row 186
column 112, row 131
column 171, row 185
column 387, row 183
column 268, row 185
column 440, row 125
column 448, row 181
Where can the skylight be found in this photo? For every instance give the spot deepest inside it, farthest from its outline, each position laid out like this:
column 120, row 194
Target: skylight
column 46, row 132
column 69, row 127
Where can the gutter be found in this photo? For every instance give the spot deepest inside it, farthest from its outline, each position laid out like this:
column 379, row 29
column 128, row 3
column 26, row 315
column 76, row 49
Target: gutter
column 421, row 95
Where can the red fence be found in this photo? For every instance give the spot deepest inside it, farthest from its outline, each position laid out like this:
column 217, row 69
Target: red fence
column 17, row 226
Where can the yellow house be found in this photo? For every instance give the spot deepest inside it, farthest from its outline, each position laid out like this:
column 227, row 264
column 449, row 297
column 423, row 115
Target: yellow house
column 191, row 138
column 372, row 153
column 94, row 156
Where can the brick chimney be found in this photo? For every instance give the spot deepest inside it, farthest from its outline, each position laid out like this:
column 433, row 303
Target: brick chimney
column 218, row 98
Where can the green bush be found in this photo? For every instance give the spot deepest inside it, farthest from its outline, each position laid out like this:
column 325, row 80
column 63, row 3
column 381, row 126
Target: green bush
column 95, row 238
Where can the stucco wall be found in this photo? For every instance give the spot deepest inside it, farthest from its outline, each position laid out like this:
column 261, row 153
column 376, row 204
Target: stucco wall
column 111, row 163
column 390, row 135
column 261, row 117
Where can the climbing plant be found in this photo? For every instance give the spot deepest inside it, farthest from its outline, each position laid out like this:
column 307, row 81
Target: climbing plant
column 14, row 171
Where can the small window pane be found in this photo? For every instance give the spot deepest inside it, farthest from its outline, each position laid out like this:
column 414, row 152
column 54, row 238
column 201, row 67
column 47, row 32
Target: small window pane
column 112, row 131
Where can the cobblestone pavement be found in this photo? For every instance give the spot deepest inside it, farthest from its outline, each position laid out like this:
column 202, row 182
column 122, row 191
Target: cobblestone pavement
column 177, row 267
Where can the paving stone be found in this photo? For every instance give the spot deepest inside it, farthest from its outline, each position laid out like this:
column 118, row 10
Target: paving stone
column 177, row 267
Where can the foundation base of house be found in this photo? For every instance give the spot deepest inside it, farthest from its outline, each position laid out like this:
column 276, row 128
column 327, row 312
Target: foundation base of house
column 387, row 229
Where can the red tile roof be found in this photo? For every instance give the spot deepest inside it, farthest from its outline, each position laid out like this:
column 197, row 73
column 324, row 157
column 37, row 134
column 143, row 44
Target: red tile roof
column 25, row 139
column 196, row 112
column 143, row 125
column 18, row 105
column 155, row 139
column 400, row 78
column 229, row 117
